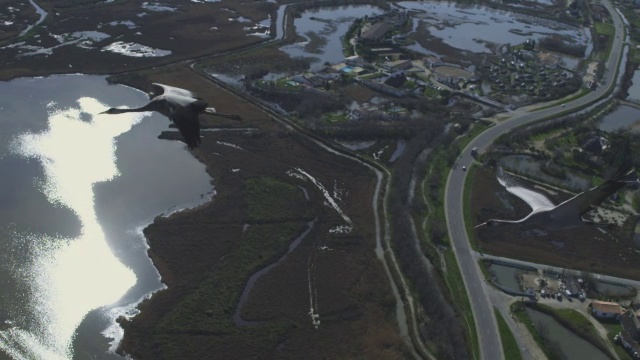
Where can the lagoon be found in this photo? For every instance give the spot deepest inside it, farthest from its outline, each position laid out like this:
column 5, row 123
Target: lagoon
column 76, row 191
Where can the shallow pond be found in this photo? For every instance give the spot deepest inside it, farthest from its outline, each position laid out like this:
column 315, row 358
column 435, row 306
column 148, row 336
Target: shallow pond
column 620, row 118
column 573, row 347
column 76, row 190
column 469, row 27
column 506, row 276
column 634, row 89
column 323, row 29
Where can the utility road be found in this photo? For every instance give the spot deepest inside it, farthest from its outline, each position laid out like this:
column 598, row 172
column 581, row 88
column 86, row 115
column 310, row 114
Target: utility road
column 486, row 327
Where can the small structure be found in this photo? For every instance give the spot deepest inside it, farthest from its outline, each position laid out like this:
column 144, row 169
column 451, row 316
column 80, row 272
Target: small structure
column 606, row 310
column 355, row 60
column 630, row 334
column 595, row 145
column 396, row 80
column 376, row 31
column 548, row 59
column 399, row 65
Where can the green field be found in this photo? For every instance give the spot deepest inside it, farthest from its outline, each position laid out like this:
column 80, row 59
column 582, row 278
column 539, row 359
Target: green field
column 509, row 345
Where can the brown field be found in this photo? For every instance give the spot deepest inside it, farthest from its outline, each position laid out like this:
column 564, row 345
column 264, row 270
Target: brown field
column 355, row 304
column 453, row 71
column 584, row 248
column 354, row 301
column 189, row 32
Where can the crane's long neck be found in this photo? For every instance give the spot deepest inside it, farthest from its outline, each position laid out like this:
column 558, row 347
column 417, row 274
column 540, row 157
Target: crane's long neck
column 147, row 107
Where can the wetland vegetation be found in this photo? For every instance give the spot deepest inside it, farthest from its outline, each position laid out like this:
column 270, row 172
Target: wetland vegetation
column 259, row 208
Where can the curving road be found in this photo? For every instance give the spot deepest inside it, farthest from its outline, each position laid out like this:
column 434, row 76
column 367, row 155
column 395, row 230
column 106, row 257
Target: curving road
column 486, row 327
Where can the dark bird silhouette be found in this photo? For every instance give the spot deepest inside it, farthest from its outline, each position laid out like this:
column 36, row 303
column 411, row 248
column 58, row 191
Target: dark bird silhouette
column 182, row 107
column 569, row 213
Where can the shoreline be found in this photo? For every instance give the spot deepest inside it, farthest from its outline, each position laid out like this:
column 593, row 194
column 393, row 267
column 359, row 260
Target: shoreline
column 229, row 218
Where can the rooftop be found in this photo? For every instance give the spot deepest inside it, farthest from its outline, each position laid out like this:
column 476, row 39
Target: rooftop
column 607, row 307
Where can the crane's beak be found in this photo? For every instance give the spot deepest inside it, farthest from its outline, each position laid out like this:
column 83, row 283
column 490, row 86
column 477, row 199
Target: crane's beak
column 232, row 117
column 212, row 111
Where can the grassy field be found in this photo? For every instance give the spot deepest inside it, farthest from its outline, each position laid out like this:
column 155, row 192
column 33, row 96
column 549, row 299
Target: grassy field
column 269, row 199
column 207, row 309
column 604, row 29
column 509, row 345
column 466, row 206
column 459, row 292
column 206, row 255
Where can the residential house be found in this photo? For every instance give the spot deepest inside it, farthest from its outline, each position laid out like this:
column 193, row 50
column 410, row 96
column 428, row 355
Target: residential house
column 300, row 79
column 339, row 66
column 399, row 65
column 383, row 88
column 355, row 60
column 376, row 31
column 595, row 145
column 431, row 61
column 396, row 80
column 606, row 310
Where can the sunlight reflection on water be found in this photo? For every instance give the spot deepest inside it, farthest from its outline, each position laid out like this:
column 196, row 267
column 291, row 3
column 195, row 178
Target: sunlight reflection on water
column 70, row 276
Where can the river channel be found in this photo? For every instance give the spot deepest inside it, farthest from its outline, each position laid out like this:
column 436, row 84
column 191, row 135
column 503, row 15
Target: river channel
column 76, row 190
column 573, row 347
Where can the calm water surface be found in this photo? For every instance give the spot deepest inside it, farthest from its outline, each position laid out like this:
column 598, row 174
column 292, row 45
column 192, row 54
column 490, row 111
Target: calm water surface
column 451, row 22
column 621, row 118
column 468, row 27
column 330, row 24
column 573, row 347
column 634, row 89
column 506, row 276
column 76, row 190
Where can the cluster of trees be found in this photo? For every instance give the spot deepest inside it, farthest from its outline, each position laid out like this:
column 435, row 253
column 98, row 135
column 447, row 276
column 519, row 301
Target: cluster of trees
column 304, row 103
column 441, row 327
column 369, row 130
column 518, row 138
column 627, row 78
column 623, row 152
column 557, row 45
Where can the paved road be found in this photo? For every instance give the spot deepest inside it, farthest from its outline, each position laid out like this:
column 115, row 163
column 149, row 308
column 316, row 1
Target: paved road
column 490, row 344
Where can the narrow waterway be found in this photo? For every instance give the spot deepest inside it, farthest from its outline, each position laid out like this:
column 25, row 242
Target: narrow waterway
column 573, row 347
column 620, row 119
column 41, row 13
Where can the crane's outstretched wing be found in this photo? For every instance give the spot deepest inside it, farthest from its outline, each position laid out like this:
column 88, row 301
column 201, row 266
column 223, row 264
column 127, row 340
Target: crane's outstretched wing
column 161, row 89
column 187, row 121
column 583, row 202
